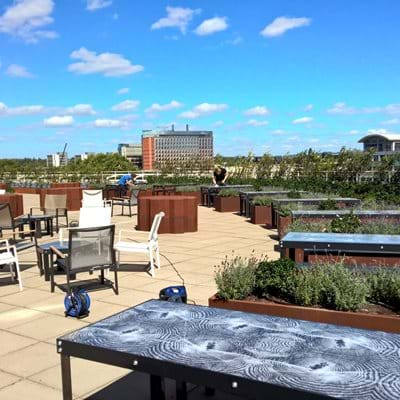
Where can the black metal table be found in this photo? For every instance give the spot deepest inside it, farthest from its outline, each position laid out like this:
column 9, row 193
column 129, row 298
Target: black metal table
column 250, row 355
column 44, row 254
column 35, row 223
column 209, row 192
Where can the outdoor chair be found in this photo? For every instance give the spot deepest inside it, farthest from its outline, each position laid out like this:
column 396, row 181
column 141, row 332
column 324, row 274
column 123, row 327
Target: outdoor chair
column 94, row 198
column 150, row 247
column 89, row 249
column 7, row 222
column 127, row 201
column 8, row 256
column 56, row 206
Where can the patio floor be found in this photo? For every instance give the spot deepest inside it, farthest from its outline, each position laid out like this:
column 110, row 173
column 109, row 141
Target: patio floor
column 31, row 320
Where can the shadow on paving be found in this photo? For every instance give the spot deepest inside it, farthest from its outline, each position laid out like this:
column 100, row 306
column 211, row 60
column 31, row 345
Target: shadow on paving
column 136, row 386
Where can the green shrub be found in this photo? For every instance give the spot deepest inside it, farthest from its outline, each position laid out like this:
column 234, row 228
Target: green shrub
column 299, row 225
column 193, row 188
column 284, row 211
column 380, row 226
column 293, row 195
column 328, row 204
column 235, row 278
column 228, row 193
column 261, row 201
column 349, row 223
column 385, row 287
column 275, row 278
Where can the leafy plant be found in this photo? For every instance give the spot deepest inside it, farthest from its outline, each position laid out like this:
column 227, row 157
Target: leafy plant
column 235, row 278
column 349, row 223
column 261, row 201
column 385, row 287
column 284, row 211
column 293, row 195
column 328, row 204
column 228, row 193
column 301, row 225
column 192, row 188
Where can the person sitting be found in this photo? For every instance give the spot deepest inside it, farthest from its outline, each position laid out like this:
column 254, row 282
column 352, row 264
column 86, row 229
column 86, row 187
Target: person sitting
column 125, row 183
column 220, row 176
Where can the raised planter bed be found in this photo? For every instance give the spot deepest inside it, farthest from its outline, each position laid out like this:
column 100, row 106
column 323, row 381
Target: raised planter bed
column 16, row 203
column 55, row 185
column 3, row 186
column 196, row 194
column 227, row 204
column 260, row 214
column 283, row 221
column 353, row 319
column 208, row 193
column 27, row 190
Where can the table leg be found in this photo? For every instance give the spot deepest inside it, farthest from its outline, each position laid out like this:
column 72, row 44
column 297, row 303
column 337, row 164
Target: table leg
column 156, row 390
column 181, row 390
column 46, row 265
column 209, row 391
column 66, row 377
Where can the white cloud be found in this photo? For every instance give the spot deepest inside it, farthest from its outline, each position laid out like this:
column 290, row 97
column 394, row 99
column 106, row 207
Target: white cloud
column 21, row 110
column 202, row 110
column 212, row 25
column 308, row 107
column 393, row 121
column 177, row 17
column 278, row 132
column 392, row 109
column 218, row 123
column 257, row 110
column 256, row 123
column 123, row 90
column 302, row 120
column 57, row 121
column 81, row 109
column 18, row 71
column 26, row 19
column 354, row 132
column 109, row 123
column 281, row 25
column 155, row 107
column 235, row 41
column 342, row 108
column 127, row 105
column 108, row 64
column 93, row 5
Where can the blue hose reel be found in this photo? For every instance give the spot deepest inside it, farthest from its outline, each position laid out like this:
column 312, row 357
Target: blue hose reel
column 77, row 303
column 176, row 294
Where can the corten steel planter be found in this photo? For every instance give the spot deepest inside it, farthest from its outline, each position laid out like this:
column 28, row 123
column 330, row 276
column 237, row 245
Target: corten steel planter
column 16, row 203
column 227, row 204
column 283, row 222
column 259, row 214
column 196, row 194
column 27, row 190
column 270, row 214
column 55, row 185
column 346, row 318
column 3, row 186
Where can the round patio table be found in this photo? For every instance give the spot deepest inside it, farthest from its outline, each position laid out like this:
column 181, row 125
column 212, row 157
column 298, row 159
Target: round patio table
column 180, row 213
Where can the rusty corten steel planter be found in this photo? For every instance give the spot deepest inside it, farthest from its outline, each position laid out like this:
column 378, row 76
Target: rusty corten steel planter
column 259, row 214
column 16, row 203
column 196, row 194
column 227, row 204
column 346, row 318
column 180, row 213
column 283, row 222
column 56, row 185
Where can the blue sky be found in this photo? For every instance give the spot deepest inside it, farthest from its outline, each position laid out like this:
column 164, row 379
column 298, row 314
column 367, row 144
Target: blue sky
column 266, row 76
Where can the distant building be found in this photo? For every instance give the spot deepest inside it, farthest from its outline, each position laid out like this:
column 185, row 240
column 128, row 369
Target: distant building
column 131, row 151
column 81, row 157
column 384, row 143
column 57, row 160
column 171, row 147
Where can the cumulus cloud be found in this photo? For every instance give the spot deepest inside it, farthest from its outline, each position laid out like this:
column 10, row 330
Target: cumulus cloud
column 109, row 123
column 354, row 132
column 177, row 17
column 343, row 109
column 81, row 109
column 256, row 123
column 107, row 64
column 18, row 71
column 155, row 107
column 393, row 121
column 93, row 5
column 278, row 132
column 281, row 25
column 127, row 105
column 123, row 90
column 26, row 19
column 257, row 110
column 302, row 120
column 202, row 110
column 58, row 121
column 212, row 25
column 21, row 110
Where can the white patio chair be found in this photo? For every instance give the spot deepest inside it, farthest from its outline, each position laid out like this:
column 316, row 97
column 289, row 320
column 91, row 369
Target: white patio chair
column 94, row 198
column 149, row 247
column 8, row 255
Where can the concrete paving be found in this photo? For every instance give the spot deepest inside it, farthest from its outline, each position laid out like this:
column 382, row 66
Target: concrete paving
column 31, row 320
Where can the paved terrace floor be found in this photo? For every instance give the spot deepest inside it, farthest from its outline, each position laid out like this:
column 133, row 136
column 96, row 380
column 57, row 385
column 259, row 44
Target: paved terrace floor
column 31, row 320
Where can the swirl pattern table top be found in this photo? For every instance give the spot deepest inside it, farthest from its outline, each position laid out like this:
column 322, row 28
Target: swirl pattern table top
column 330, row 360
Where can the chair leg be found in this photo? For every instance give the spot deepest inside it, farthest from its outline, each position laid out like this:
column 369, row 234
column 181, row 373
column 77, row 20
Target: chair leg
column 18, row 274
column 102, row 276
column 116, row 280
column 158, row 257
column 130, row 211
column 151, row 262
column 10, row 266
column 112, row 208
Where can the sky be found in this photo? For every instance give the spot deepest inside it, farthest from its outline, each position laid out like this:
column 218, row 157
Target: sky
column 277, row 76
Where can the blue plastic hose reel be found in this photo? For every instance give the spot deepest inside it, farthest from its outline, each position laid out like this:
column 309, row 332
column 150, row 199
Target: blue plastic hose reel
column 77, row 304
column 175, row 294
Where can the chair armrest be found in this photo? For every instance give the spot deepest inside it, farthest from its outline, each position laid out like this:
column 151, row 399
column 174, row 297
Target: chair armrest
column 57, row 252
column 107, row 202
column 6, row 243
column 35, row 208
column 120, row 233
column 118, row 198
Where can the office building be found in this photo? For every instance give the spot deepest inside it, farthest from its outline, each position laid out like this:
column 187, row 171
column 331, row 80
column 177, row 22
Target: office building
column 384, row 143
column 131, row 151
column 171, row 147
column 57, row 160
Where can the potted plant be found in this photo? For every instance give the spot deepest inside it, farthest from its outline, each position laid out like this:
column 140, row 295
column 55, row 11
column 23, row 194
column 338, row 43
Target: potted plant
column 227, row 201
column 284, row 219
column 261, row 210
column 327, row 293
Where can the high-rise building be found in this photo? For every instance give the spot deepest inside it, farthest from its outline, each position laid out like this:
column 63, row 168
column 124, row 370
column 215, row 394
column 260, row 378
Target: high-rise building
column 171, row 147
column 131, row 151
column 57, row 160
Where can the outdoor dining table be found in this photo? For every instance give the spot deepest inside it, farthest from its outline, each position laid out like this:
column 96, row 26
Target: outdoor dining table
column 35, row 223
column 44, row 252
column 248, row 355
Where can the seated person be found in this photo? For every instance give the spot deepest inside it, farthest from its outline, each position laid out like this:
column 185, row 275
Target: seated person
column 125, row 183
column 220, row 176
